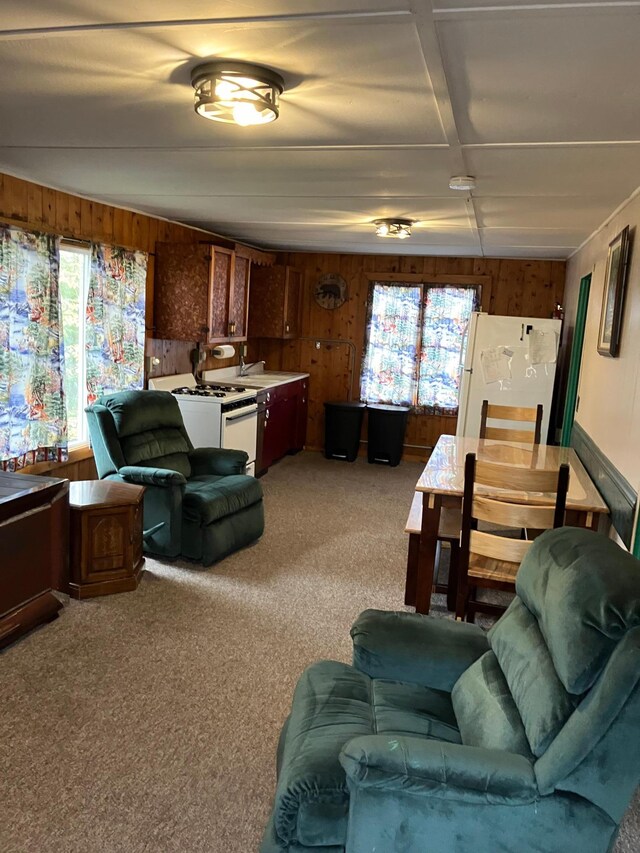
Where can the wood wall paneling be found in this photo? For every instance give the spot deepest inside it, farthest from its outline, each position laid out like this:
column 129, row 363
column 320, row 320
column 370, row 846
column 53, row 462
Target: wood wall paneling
column 518, row 287
column 35, row 207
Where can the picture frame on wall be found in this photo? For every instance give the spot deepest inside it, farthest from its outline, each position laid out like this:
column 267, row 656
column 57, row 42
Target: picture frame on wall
column 613, row 297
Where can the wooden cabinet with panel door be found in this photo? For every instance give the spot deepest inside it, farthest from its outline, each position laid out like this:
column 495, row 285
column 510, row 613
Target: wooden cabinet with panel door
column 201, row 293
column 302, row 411
column 275, row 302
column 282, row 422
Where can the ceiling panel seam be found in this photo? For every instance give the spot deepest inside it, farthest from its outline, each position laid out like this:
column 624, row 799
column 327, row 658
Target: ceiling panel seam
column 435, row 70
column 375, row 16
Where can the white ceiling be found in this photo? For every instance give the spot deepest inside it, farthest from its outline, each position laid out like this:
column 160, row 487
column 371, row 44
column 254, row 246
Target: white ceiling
column 385, row 100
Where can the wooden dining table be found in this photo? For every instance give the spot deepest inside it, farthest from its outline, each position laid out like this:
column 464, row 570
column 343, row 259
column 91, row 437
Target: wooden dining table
column 442, row 484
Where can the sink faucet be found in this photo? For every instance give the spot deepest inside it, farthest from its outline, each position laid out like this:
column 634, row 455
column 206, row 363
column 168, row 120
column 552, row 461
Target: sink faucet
column 245, row 368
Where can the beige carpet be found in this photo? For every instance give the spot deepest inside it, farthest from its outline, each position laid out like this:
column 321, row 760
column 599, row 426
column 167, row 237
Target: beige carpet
column 148, row 721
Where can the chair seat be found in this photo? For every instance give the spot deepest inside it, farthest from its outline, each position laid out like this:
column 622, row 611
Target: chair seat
column 499, row 571
column 208, row 499
column 333, row 703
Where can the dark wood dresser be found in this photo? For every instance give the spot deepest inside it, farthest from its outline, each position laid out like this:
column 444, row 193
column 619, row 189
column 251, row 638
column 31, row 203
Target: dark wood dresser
column 34, row 527
column 106, row 537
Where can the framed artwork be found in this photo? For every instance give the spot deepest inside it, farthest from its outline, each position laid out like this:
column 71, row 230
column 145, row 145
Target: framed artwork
column 613, row 298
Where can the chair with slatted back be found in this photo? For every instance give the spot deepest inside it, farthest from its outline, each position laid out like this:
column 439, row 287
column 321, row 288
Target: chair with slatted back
column 515, row 499
column 493, row 412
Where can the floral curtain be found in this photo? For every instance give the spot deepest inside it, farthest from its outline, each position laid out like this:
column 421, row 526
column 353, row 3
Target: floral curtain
column 414, row 346
column 446, row 315
column 33, row 423
column 393, row 324
column 115, row 320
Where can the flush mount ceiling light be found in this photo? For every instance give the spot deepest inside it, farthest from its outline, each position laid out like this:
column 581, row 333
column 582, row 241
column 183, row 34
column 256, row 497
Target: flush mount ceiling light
column 400, row 228
column 462, row 182
column 237, row 92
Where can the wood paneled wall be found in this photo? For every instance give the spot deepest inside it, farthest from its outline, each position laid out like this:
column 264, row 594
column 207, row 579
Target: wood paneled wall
column 39, row 208
column 518, row 288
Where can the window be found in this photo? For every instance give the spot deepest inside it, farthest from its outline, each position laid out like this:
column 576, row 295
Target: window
column 74, row 286
column 414, row 346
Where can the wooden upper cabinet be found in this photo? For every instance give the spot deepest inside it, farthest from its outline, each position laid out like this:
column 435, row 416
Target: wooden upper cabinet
column 201, row 293
column 220, row 289
column 275, row 302
column 181, row 291
column 239, row 301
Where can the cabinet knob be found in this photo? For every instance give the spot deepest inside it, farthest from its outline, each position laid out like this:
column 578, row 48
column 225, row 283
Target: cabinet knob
column 286, row 328
column 268, row 398
column 232, row 328
column 266, row 415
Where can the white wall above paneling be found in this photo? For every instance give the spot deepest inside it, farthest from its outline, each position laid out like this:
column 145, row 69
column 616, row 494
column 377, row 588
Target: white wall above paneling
column 609, row 390
column 384, row 101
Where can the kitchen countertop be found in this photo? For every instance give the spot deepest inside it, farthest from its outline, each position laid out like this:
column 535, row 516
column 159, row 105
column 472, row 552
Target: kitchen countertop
column 258, row 380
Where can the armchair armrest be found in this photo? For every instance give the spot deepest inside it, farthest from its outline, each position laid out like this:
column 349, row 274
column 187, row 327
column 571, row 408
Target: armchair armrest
column 420, row 649
column 438, row 769
column 216, row 460
column 151, row 476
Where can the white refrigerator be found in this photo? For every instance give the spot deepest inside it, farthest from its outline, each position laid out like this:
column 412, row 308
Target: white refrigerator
column 509, row 361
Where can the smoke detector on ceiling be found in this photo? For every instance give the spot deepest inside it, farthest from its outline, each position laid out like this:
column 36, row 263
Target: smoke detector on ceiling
column 462, row 182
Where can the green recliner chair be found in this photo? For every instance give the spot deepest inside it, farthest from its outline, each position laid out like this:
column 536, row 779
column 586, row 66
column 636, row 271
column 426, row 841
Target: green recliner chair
column 198, row 503
column 443, row 738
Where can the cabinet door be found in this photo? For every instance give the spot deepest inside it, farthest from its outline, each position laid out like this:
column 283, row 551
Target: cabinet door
column 181, row 291
column 302, row 409
column 261, row 464
column 292, row 306
column 239, row 299
column 270, row 440
column 266, row 302
column 220, row 293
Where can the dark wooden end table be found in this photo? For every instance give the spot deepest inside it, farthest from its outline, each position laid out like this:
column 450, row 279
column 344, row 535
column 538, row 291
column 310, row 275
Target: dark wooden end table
column 106, row 537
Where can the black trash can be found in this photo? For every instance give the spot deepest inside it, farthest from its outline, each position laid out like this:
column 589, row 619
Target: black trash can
column 385, row 433
column 342, row 425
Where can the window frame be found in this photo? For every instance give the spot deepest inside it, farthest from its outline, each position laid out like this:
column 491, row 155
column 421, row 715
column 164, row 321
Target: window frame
column 484, row 282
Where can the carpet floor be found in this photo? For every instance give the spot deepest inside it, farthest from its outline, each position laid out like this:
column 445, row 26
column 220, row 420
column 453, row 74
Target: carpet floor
column 148, row 721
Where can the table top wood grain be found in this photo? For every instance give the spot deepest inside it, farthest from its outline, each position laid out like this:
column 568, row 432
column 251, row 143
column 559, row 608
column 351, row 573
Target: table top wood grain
column 444, row 472
column 103, row 493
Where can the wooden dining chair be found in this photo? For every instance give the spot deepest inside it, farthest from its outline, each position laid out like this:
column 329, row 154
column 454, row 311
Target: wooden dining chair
column 493, row 412
column 517, row 502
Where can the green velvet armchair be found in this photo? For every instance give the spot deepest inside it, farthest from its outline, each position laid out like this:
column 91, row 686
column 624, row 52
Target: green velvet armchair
column 443, row 738
column 198, row 503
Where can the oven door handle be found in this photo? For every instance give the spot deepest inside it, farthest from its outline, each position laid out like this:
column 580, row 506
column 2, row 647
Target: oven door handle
column 248, row 414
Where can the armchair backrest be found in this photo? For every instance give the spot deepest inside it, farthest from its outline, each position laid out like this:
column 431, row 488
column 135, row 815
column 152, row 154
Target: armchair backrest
column 561, row 683
column 138, row 428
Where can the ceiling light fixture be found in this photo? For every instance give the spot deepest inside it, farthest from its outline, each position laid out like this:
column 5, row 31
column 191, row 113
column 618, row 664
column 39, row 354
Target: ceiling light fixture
column 462, row 182
column 400, row 228
column 237, row 92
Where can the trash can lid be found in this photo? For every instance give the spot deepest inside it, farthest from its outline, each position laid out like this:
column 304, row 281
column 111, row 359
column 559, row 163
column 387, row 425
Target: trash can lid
column 346, row 404
column 380, row 408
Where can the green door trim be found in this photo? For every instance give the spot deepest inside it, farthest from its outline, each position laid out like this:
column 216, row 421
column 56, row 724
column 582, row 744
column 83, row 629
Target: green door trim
column 636, row 537
column 576, row 359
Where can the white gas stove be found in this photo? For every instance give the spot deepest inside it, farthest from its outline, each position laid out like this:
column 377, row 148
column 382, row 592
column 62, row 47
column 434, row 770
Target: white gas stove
column 215, row 414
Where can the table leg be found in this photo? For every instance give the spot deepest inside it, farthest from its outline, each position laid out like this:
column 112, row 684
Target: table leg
column 412, row 570
column 431, row 505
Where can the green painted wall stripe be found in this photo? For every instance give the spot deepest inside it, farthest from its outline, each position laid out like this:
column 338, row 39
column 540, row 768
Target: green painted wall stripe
column 576, row 358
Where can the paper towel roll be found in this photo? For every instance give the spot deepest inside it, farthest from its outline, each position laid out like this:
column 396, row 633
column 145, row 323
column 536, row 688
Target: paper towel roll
column 223, row 351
